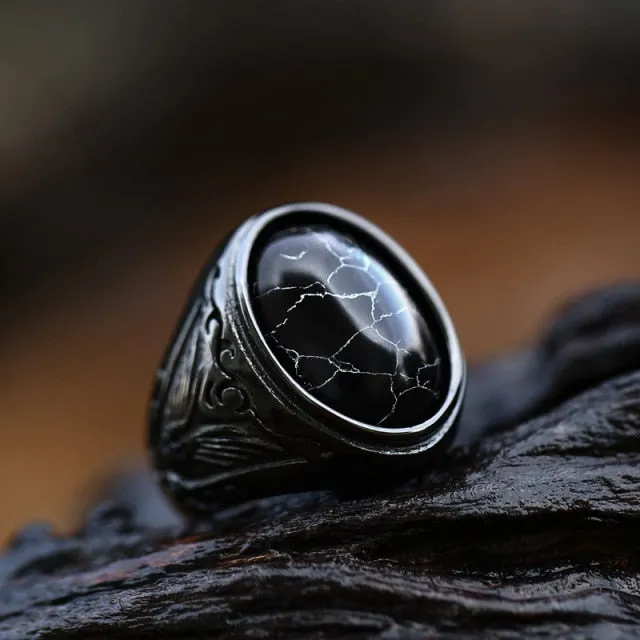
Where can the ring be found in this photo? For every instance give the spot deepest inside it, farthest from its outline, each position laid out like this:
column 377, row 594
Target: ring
column 313, row 354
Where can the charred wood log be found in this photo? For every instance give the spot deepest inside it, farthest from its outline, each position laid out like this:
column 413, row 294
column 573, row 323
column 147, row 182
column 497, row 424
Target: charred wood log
column 527, row 529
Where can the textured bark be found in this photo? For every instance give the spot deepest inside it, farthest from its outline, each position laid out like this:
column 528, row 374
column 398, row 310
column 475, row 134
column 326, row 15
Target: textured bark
column 528, row 528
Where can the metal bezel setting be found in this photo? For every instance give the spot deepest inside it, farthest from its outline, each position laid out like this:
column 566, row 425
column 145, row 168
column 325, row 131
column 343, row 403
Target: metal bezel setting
column 294, row 396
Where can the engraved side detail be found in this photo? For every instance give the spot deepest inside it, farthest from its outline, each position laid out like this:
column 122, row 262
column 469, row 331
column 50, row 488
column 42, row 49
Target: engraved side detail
column 205, row 423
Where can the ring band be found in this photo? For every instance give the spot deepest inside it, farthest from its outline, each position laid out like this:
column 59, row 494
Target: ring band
column 313, row 353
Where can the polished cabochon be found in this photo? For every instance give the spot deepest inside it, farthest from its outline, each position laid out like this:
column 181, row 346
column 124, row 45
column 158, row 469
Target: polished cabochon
column 345, row 328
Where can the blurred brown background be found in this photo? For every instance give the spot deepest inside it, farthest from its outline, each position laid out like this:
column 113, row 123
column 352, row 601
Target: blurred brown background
column 499, row 143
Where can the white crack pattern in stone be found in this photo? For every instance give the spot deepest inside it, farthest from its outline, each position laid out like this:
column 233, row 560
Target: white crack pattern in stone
column 355, row 259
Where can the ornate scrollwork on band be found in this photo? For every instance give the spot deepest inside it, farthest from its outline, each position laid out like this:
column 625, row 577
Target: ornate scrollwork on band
column 205, row 423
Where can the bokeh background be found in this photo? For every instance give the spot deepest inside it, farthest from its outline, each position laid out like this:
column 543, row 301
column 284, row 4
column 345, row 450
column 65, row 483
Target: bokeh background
column 498, row 141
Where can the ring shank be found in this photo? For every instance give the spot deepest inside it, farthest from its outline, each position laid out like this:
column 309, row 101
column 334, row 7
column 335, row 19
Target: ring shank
column 228, row 425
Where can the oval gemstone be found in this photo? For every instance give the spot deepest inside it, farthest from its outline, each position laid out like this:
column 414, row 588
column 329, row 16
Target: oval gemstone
column 344, row 327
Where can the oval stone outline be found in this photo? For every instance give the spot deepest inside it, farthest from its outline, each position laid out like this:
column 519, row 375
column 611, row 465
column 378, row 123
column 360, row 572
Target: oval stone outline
column 344, row 327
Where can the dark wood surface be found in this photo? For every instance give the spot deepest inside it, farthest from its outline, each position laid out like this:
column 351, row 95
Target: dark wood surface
column 528, row 527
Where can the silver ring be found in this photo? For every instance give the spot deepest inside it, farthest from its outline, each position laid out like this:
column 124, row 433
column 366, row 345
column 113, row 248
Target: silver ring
column 313, row 353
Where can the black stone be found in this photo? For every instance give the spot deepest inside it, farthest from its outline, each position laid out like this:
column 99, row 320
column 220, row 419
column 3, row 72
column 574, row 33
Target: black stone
column 344, row 327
